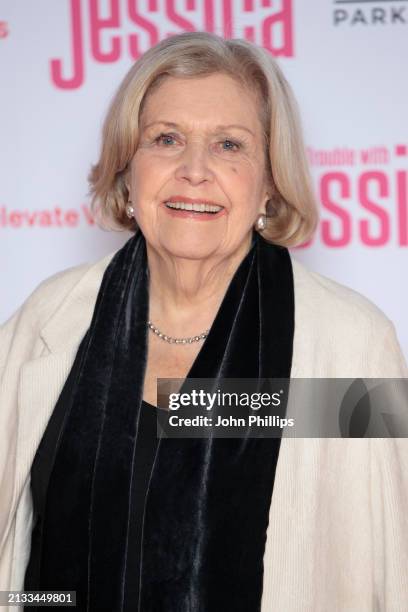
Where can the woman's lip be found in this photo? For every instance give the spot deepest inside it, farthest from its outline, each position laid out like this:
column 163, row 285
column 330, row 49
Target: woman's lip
column 191, row 214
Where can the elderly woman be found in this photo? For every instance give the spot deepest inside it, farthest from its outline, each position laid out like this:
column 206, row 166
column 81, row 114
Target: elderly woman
column 203, row 161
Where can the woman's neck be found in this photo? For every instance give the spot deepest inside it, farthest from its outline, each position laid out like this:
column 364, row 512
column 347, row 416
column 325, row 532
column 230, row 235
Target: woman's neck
column 185, row 294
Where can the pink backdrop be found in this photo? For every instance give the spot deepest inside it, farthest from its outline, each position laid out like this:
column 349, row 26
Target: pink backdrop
column 346, row 60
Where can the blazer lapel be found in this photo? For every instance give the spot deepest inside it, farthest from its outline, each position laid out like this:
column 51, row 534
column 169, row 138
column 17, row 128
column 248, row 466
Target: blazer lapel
column 41, row 379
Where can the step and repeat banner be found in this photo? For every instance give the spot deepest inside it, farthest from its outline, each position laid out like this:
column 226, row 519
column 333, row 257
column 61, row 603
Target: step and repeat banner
column 61, row 61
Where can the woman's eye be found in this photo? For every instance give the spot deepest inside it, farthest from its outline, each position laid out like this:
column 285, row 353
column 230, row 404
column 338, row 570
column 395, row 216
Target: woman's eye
column 232, row 146
column 164, row 139
column 168, row 139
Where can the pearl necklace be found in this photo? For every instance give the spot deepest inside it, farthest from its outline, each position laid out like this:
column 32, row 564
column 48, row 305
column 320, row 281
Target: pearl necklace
column 171, row 340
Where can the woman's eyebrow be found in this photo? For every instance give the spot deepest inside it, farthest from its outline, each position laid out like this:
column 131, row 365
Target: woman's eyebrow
column 217, row 128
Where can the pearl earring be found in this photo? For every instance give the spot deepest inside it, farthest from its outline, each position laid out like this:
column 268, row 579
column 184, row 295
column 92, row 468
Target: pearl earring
column 260, row 223
column 130, row 211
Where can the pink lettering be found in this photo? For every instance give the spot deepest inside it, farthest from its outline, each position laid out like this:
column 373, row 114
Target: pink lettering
column 45, row 219
column 363, row 186
column 97, row 25
column 55, row 217
column 71, row 218
column 107, row 46
column 402, row 199
column 15, row 219
column 88, row 215
column 209, row 25
column 77, row 53
column 375, row 155
column 145, row 24
column 345, row 234
column 279, row 25
column 176, row 18
column 4, row 31
column 227, row 18
column 31, row 218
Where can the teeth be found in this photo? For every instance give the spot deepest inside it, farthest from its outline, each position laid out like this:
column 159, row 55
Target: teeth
column 195, row 207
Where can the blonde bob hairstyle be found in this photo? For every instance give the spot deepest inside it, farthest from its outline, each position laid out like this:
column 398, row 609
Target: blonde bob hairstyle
column 292, row 209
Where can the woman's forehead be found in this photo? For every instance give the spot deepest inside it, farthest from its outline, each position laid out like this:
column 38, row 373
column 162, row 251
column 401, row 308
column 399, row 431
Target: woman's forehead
column 185, row 126
column 179, row 103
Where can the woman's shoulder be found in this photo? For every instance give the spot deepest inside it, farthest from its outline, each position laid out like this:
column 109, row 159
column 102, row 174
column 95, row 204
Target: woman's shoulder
column 75, row 288
column 343, row 329
column 52, row 290
column 327, row 298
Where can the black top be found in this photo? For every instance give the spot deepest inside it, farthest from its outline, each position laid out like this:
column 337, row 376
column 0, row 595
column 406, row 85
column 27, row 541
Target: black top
column 41, row 471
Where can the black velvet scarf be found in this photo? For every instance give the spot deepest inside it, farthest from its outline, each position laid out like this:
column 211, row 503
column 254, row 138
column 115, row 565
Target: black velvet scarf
column 208, row 500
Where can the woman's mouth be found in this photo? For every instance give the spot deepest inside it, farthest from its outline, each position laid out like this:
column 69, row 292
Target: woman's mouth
column 194, row 210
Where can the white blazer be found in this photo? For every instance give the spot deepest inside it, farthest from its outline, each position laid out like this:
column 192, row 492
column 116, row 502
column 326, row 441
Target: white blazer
column 338, row 527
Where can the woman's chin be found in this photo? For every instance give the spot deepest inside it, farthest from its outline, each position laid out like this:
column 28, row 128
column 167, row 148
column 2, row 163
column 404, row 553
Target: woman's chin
column 190, row 247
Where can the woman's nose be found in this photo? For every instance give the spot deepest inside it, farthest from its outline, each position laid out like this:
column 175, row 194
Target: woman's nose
column 193, row 164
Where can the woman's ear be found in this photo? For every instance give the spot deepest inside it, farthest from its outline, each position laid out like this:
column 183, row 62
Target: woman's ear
column 127, row 180
column 266, row 203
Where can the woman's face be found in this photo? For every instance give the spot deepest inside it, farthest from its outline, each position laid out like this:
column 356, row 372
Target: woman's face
column 200, row 140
